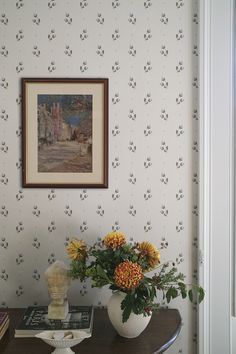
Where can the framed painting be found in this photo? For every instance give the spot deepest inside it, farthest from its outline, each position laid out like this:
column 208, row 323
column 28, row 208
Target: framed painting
column 65, row 133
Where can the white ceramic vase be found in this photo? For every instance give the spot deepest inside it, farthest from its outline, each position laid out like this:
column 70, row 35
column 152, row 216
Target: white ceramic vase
column 135, row 324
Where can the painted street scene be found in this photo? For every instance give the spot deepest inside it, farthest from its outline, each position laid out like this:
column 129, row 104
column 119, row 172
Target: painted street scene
column 65, row 133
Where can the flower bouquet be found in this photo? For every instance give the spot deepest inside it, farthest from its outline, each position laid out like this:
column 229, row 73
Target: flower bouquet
column 125, row 267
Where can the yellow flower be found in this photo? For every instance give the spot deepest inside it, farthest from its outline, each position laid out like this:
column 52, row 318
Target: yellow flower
column 114, row 239
column 77, row 249
column 128, row 275
column 151, row 252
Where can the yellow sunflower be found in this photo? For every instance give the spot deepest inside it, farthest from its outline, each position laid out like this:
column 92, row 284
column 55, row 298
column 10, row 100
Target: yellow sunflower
column 77, row 249
column 150, row 252
column 128, row 275
column 114, row 239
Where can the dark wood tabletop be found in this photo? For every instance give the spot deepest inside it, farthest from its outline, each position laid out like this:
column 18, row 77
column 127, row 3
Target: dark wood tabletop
column 161, row 332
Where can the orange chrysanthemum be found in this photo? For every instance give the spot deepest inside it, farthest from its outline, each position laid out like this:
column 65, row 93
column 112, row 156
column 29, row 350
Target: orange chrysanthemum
column 151, row 252
column 128, row 275
column 114, row 239
column 76, row 249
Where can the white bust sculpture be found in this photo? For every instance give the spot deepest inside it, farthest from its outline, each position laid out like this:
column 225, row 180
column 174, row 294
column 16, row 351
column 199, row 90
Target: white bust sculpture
column 58, row 282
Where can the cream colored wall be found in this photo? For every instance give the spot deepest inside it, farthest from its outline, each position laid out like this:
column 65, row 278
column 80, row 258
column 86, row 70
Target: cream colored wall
column 148, row 51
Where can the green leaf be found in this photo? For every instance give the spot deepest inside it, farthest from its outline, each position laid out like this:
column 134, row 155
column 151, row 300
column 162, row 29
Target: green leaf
column 126, row 306
column 126, row 313
column 183, row 290
column 174, row 293
column 190, row 295
column 201, row 294
column 102, row 273
column 169, row 294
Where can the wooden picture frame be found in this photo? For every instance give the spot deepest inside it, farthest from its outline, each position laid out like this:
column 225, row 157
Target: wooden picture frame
column 65, row 133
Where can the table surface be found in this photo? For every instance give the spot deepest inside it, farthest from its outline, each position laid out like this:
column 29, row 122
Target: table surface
column 161, row 332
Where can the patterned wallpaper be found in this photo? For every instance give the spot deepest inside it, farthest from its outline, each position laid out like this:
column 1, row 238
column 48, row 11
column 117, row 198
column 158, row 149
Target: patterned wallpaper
column 148, row 49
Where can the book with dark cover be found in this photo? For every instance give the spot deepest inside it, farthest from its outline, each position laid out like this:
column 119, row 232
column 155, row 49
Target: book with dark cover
column 3, row 318
column 35, row 320
column 4, row 328
column 4, row 323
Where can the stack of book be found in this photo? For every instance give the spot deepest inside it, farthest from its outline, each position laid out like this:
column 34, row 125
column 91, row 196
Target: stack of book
column 4, row 323
column 35, row 320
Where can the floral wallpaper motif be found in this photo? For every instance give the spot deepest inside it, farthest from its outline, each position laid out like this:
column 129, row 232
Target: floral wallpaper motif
column 149, row 51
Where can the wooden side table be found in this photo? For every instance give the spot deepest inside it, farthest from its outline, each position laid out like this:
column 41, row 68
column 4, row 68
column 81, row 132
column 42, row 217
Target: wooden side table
column 160, row 334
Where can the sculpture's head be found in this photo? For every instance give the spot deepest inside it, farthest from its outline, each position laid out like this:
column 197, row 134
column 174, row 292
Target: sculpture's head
column 58, row 281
